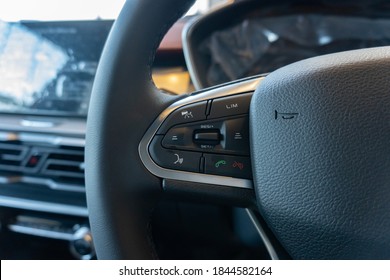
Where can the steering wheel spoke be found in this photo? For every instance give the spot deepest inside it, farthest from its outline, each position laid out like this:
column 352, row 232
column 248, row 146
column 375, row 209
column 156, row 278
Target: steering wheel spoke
column 199, row 145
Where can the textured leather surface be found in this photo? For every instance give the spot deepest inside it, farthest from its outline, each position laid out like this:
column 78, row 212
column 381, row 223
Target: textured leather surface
column 206, row 193
column 124, row 102
column 323, row 177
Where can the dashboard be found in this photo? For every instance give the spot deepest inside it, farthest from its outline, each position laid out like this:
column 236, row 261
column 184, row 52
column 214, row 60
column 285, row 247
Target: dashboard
column 47, row 71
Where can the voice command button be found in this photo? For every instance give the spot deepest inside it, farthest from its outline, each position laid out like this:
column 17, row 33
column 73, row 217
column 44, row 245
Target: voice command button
column 174, row 159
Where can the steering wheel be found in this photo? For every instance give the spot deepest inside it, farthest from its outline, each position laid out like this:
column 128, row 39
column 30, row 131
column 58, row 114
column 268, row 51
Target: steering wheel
column 318, row 166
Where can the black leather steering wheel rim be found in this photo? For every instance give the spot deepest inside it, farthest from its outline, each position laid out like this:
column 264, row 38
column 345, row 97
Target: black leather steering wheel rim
column 123, row 104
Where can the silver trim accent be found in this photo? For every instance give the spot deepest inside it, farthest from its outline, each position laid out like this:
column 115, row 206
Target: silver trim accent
column 42, row 138
column 226, row 90
column 85, row 234
column 41, row 232
column 20, row 203
column 37, row 124
column 268, row 245
column 63, row 126
column 77, row 233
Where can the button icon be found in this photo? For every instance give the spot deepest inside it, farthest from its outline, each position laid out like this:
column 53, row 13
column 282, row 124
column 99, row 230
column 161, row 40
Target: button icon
column 207, row 147
column 237, row 136
column 219, row 163
column 33, row 161
column 187, row 114
column 285, row 116
column 232, row 106
column 175, row 138
column 224, row 165
column 179, row 160
column 229, row 106
column 238, row 165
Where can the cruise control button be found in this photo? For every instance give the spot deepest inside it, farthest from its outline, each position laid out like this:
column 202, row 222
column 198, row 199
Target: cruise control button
column 178, row 137
column 237, row 135
column 226, row 136
column 174, row 159
column 184, row 136
column 210, row 137
column 229, row 106
column 190, row 113
column 232, row 166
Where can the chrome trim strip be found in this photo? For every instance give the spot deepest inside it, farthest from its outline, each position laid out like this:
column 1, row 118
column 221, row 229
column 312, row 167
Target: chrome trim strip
column 62, row 126
column 41, row 232
column 268, row 245
column 42, row 138
column 227, row 90
column 37, row 124
column 26, row 204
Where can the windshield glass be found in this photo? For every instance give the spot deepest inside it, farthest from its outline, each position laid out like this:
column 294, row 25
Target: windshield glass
column 54, row 10
column 49, row 52
column 49, row 10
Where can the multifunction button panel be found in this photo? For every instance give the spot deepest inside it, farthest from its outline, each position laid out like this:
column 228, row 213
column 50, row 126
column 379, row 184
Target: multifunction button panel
column 210, row 137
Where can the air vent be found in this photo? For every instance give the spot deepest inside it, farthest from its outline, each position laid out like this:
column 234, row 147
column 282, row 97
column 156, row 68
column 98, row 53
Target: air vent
column 57, row 167
column 12, row 156
column 64, row 163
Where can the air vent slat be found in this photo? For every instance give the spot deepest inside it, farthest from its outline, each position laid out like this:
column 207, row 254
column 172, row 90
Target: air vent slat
column 61, row 164
column 10, row 151
column 67, row 156
column 11, row 156
column 63, row 168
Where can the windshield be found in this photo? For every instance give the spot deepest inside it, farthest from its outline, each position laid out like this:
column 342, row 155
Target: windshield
column 49, row 52
column 55, row 10
column 49, row 10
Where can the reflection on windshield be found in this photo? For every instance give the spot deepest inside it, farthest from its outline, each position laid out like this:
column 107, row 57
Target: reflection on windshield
column 28, row 63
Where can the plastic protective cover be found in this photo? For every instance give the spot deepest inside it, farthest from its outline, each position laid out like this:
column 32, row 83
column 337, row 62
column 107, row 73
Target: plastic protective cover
column 257, row 46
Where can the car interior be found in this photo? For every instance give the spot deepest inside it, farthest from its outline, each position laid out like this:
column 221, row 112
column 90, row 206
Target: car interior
column 206, row 129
